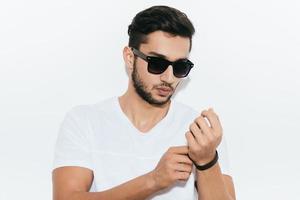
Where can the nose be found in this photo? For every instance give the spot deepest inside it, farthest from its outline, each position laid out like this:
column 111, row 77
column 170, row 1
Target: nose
column 168, row 76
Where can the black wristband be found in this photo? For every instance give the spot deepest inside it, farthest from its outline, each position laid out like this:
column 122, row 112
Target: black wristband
column 208, row 165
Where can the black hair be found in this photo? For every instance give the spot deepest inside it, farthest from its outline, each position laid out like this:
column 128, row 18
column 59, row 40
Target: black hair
column 161, row 18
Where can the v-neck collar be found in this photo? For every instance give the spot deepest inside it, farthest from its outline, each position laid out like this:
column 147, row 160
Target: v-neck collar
column 161, row 124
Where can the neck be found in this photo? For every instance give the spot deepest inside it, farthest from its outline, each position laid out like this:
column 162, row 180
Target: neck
column 143, row 115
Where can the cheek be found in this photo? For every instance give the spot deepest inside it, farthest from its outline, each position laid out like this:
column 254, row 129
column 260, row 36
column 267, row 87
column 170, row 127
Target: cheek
column 141, row 68
column 148, row 79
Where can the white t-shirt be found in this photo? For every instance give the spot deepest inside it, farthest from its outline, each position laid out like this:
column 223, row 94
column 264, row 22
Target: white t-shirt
column 101, row 137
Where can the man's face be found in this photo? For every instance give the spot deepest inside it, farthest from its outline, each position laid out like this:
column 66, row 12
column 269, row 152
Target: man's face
column 157, row 89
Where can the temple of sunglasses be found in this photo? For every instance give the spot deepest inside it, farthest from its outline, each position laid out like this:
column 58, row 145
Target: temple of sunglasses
column 157, row 65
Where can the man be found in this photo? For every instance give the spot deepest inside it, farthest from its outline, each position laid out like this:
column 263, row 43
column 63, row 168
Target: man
column 143, row 145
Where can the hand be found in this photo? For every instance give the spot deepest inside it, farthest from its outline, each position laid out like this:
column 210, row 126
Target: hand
column 174, row 165
column 202, row 138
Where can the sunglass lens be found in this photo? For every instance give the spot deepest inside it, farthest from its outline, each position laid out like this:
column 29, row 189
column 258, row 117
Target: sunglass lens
column 157, row 65
column 182, row 68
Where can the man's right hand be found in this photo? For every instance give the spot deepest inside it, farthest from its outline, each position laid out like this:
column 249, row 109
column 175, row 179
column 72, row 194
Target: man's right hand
column 173, row 166
column 73, row 183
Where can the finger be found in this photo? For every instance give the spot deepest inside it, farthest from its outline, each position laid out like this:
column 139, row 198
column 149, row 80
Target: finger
column 213, row 119
column 179, row 149
column 183, row 167
column 199, row 138
column 183, row 176
column 196, row 132
column 182, row 159
column 207, row 133
column 195, row 129
column 202, row 123
column 191, row 140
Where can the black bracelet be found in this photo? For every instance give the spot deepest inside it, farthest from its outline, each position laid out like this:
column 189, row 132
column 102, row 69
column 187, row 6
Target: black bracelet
column 208, row 165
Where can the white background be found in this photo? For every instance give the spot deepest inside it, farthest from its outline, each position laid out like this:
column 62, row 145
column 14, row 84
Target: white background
column 58, row 54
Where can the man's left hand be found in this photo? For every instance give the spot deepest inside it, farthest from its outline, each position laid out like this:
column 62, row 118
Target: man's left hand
column 203, row 137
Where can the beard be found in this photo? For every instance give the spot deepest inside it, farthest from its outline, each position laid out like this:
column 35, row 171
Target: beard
column 140, row 89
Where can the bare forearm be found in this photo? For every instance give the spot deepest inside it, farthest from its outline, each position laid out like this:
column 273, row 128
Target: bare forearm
column 135, row 189
column 211, row 185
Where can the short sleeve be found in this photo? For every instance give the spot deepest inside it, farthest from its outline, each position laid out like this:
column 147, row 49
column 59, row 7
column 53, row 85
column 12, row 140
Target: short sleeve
column 72, row 146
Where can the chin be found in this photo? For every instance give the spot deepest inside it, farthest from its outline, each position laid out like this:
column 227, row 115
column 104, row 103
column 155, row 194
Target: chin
column 162, row 99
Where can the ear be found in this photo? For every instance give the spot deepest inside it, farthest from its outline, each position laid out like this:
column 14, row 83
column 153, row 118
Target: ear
column 128, row 58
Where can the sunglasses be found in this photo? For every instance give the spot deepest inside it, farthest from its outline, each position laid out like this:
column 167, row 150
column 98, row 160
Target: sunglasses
column 157, row 65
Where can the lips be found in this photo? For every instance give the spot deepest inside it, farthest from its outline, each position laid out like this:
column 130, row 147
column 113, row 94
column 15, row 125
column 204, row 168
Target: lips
column 164, row 91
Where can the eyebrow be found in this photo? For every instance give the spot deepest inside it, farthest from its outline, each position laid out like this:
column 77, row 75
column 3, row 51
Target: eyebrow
column 161, row 55
column 157, row 54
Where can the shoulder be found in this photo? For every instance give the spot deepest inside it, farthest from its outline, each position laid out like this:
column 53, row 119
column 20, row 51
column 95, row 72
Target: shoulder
column 89, row 111
column 101, row 105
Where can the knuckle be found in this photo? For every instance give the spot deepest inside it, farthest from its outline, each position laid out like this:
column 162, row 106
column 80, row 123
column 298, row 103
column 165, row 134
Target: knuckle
column 198, row 119
column 190, row 163
column 170, row 149
column 186, row 175
column 201, row 118
column 168, row 157
column 188, row 134
column 190, row 168
column 191, row 126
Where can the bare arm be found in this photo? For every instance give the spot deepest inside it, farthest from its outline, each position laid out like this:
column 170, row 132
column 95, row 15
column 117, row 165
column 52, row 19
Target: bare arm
column 203, row 139
column 213, row 185
column 73, row 183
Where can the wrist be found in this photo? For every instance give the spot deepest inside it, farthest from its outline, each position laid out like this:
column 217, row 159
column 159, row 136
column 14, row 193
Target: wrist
column 152, row 182
column 207, row 165
column 207, row 159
